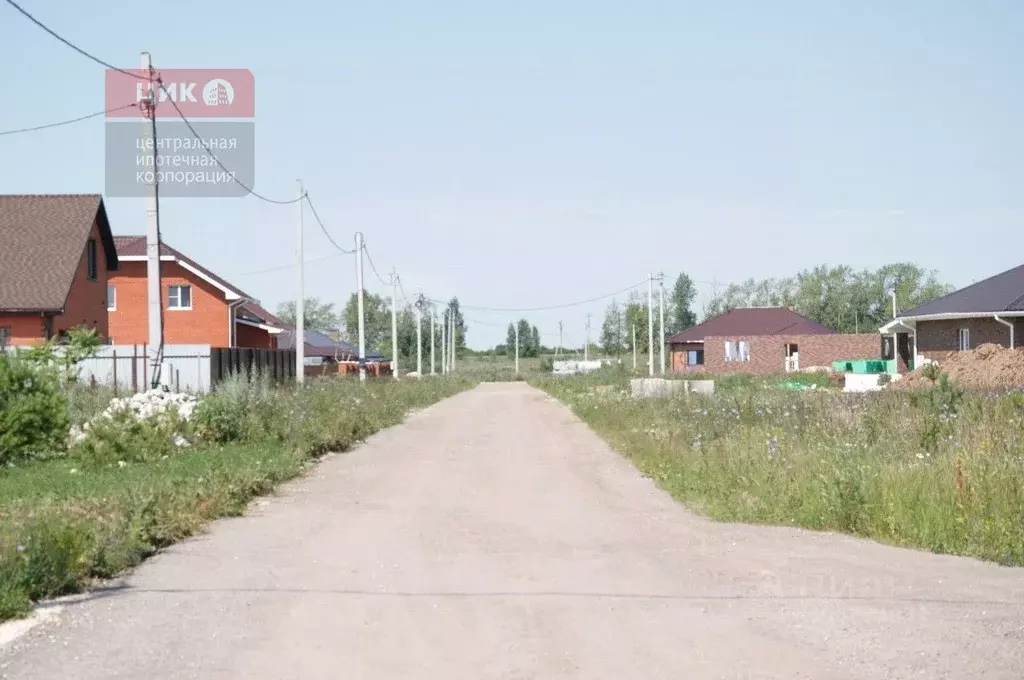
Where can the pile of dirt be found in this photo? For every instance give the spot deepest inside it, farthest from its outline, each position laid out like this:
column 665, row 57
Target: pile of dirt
column 985, row 367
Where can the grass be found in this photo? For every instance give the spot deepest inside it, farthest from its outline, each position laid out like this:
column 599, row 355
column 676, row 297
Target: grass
column 64, row 524
column 938, row 469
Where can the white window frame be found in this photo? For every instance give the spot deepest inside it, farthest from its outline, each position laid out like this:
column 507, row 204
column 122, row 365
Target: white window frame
column 737, row 350
column 111, row 298
column 171, row 299
column 964, row 339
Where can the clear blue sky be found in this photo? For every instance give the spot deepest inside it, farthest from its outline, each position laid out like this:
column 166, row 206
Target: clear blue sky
column 531, row 153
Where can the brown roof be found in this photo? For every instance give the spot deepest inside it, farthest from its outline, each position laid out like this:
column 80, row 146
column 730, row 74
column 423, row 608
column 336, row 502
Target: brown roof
column 135, row 246
column 42, row 238
column 252, row 311
column 752, row 321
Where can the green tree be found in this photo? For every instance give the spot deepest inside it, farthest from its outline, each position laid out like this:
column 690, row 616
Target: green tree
column 510, row 340
column 537, row 347
column 318, row 316
column 680, row 303
column 636, row 316
column 526, row 346
column 613, row 339
column 377, row 320
column 838, row 296
column 452, row 310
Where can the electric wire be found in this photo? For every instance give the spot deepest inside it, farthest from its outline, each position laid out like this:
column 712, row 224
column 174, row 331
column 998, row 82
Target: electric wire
column 67, row 42
column 67, row 122
column 323, row 228
column 374, row 267
column 561, row 306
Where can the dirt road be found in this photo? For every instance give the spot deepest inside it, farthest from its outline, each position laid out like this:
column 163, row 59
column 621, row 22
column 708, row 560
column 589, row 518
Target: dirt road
column 494, row 536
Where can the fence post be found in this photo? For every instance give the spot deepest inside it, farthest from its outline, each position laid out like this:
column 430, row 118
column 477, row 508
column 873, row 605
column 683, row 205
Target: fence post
column 135, row 369
column 115, row 373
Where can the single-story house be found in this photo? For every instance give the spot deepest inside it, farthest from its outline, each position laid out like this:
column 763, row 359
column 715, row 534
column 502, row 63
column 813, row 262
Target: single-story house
column 56, row 253
column 989, row 311
column 321, row 348
column 764, row 340
column 199, row 306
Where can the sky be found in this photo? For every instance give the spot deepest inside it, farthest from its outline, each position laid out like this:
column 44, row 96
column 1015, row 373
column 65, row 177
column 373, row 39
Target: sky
column 521, row 155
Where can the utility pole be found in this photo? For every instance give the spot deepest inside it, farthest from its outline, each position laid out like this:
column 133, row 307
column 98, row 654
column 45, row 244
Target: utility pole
column 650, row 325
column 359, row 301
column 517, row 348
column 154, row 294
column 661, row 312
column 433, row 315
column 453, row 335
column 586, row 345
column 394, row 324
column 444, row 343
column 894, row 303
column 559, row 350
column 634, row 348
column 419, row 336
column 300, row 306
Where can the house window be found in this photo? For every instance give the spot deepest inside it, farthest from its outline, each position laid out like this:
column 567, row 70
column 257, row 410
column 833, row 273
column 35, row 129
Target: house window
column 111, row 299
column 179, row 297
column 90, row 256
column 737, row 350
column 5, row 338
column 695, row 357
column 965, row 339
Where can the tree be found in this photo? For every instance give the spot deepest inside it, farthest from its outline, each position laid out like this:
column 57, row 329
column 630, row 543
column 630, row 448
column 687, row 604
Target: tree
column 635, row 314
column 680, row 314
column 510, row 340
column 613, row 339
column 537, row 348
column 377, row 320
column 318, row 316
column 838, row 296
column 460, row 323
column 526, row 346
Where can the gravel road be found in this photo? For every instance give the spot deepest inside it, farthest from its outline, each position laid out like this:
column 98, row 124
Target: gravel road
column 493, row 536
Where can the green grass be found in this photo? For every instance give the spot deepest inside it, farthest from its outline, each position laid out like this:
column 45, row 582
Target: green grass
column 64, row 524
column 935, row 470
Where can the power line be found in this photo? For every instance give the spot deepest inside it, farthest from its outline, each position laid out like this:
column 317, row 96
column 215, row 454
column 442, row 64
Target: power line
column 282, row 267
column 562, row 306
column 373, row 267
column 324, row 229
column 67, row 42
column 68, row 122
column 216, row 160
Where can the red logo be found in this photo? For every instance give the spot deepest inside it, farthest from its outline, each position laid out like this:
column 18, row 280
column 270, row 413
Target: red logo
column 198, row 92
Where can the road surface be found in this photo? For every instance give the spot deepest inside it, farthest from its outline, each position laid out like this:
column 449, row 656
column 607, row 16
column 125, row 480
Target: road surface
column 493, row 536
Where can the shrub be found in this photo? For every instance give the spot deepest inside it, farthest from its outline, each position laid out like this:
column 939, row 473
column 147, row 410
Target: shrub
column 33, row 410
column 241, row 410
column 123, row 437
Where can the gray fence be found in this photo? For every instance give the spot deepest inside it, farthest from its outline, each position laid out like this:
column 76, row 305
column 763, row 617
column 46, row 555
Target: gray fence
column 186, row 368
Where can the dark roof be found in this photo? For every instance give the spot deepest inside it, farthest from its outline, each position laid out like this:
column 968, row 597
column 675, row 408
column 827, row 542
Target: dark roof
column 135, row 246
column 252, row 311
column 1000, row 293
column 752, row 321
column 321, row 345
column 42, row 239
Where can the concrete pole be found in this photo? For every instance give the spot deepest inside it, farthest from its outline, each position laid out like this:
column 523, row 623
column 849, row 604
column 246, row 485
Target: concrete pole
column 517, row 348
column 300, row 304
column 359, row 301
column 586, row 344
column 394, row 324
column 634, row 348
column 419, row 337
column 650, row 325
column 444, row 344
column 154, row 294
column 453, row 339
column 433, row 335
column 661, row 313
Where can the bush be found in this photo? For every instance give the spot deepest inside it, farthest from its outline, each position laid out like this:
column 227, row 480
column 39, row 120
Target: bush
column 33, row 411
column 240, row 410
column 124, row 438
column 547, row 364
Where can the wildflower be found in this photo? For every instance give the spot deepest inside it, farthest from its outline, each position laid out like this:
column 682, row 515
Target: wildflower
column 20, row 548
column 920, row 455
column 121, row 464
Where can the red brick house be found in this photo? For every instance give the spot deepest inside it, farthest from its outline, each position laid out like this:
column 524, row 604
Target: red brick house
column 764, row 340
column 56, row 252
column 990, row 311
column 199, row 306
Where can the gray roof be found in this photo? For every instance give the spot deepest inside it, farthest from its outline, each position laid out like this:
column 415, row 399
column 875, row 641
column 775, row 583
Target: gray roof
column 1000, row 293
column 320, row 344
column 42, row 241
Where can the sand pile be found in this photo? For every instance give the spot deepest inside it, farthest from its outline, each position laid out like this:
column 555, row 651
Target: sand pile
column 985, row 367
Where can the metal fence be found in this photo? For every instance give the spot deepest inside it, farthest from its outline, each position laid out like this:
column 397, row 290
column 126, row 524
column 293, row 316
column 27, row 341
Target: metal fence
column 186, row 368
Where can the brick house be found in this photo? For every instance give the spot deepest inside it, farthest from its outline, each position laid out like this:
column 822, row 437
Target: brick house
column 199, row 307
column 56, row 252
column 764, row 340
column 990, row 311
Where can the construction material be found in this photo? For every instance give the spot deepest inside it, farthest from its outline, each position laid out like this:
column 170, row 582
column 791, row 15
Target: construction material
column 988, row 366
